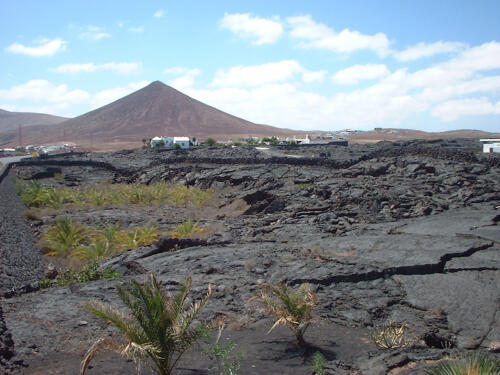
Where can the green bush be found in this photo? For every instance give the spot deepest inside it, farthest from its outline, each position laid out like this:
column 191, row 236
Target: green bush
column 318, row 364
column 90, row 272
column 221, row 356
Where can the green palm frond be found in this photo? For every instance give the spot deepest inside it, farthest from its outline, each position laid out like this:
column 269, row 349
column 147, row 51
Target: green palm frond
column 474, row 365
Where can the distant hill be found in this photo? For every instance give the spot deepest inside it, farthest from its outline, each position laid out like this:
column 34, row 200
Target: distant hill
column 156, row 109
column 389, row 134
column 11, row 120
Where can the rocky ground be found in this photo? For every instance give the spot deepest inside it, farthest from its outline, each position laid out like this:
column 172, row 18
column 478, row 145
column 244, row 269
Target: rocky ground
column 404, row 231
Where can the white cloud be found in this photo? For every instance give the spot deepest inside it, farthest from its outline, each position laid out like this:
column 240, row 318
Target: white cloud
column 175, row 70
column 185, row 77
column 356, row 73
column 258, row 75
column 44, row 48
column 92, row 32
column 261, row 30
column 421, row 50
column 110, row 95
column 159, row 13
column 121, row 68
column 454, row 109
column 317, row 35
column 318, row 76
column 138, row 29
column 46, row 97
column 40, row 90
column 274, row 96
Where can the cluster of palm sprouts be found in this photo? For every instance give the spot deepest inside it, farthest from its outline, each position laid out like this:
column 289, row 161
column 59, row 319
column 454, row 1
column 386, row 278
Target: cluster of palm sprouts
column 34, row 194
column 67, row 238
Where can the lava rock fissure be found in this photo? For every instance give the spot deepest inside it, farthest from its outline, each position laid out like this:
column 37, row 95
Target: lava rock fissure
column 418, row 269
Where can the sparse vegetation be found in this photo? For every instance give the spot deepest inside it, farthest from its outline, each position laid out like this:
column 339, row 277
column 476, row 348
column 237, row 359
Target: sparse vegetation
column 210, row 142
column 292, row 308
column 185, row 229
column 221, row 356
column 391, row 335
column 63, row 238
column 89, row 272
column 66, row 238
column 157, row 331
column 474, row 365
column 34, row 194
column 318, row 364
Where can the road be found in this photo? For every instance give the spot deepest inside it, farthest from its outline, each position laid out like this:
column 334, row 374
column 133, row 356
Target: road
column 10, row 159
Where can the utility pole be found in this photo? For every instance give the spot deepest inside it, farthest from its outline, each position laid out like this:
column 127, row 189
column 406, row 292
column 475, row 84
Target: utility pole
column 20, row 134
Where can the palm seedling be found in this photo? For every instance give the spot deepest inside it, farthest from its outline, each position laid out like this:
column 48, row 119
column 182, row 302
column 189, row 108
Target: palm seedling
column 290, row 308
column 96, row 251
column 141, row 236
column 157, row 331
column 63, row 237
column 185, row 229
column 474, row 365
column 31, row 194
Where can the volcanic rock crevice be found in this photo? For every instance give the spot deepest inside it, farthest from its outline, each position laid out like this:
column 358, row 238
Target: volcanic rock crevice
column 417, row 269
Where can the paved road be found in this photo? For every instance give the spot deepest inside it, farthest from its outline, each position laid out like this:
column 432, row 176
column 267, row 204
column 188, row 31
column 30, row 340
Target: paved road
column 10, row 159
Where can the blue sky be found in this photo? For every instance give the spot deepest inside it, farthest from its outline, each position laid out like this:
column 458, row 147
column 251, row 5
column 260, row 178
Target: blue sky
column 430, row 65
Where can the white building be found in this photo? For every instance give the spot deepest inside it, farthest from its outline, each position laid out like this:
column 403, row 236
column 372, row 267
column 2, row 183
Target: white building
column 182, row 141
column 491, row 145
column 169, row 142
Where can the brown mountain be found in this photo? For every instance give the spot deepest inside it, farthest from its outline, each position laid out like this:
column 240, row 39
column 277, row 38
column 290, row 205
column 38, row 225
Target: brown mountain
column 389, row 134
column 11, row 120
column 156, row 109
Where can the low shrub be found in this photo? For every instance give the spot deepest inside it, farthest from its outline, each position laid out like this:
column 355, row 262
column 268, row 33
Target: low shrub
column 222, row 356
column 318, row 364
column 90, row 272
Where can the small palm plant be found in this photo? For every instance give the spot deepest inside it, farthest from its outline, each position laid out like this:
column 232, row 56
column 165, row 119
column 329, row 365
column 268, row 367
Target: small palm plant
column 158, row 329
column 63, row 237
column 96, row 251
column 141, row 236
column 186, row 228
column 290, row 308
column 474, row 365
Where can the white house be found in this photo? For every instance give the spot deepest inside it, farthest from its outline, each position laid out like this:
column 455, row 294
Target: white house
column 491, row 145
column 169, row 142
column 182, row 141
